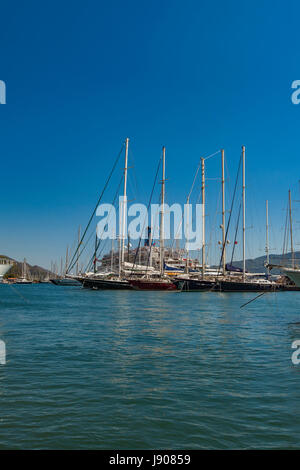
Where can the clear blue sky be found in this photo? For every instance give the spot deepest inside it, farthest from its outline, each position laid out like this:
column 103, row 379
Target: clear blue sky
column 194, row 76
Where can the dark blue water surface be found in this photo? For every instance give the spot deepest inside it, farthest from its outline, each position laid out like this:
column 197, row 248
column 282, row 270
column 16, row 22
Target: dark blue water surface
column 148, row 370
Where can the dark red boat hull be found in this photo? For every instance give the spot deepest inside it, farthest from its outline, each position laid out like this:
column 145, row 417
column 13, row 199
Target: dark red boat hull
column 140, row 284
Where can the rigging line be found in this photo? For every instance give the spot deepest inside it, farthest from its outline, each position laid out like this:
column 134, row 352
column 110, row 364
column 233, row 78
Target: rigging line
column 252, row 300
column 84, row 247
column 228, row 186
column 101, row 251
column 212, row 155
column 94, row 211
column 188, row 198
column 155, row 220
column 100, row 239
column 192, row 187
column 230, row 213
column 285, row 235
column 200, row 195
column 18, row 293
column 236, row 231
column 134, row 176
column 114, row 200
column 288, row 232
column 94, row 258
column 213, row 225
column 187, row 201
column 194, row 180
column 131, row 188
column 152, row 191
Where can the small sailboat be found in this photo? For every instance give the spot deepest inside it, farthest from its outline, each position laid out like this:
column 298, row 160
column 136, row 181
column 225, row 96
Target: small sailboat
column 64, row 279
column 24, row 279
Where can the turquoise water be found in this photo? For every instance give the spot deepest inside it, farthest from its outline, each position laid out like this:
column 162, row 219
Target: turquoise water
column 145, row 370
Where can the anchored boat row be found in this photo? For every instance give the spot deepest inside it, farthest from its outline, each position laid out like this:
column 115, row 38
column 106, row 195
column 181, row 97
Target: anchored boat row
column 159, row 268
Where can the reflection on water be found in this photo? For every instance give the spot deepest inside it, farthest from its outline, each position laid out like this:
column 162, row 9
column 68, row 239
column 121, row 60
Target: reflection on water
column 140, row 370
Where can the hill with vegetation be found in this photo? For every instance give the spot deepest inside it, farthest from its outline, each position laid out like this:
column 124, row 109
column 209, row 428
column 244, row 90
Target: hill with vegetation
column 257, row 265
column 34, row 272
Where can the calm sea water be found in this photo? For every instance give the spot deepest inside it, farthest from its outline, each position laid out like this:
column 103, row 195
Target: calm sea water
column 145, row 370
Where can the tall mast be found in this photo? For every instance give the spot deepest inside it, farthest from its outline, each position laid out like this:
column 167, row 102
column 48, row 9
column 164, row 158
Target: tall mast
column 203, row 215
column 124, row 205
column 67, row 260
column 119, row 251
column 77, row 266
column 150, row 248
column 223, row 214
column 244, row 215
column 95, row 254
column 267, row 237
column 128, row 246
column 161, row 232
column 291, row 229
column 112, row 255
column 188, row 221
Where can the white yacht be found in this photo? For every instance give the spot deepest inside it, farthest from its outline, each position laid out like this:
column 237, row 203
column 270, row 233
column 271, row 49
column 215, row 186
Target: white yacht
column 293, row 274
column 5, row 265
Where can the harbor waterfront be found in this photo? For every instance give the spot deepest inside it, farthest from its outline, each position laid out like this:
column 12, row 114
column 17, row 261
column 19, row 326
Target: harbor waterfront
column 133, row 369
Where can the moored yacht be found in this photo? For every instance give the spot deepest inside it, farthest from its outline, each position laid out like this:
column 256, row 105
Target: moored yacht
column 246, row 285
column 106, row 283
column 190, row 284
column 65, row 281
column 5, row 265
column 293, row 274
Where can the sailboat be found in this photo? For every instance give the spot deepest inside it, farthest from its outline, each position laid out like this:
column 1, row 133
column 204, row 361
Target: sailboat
column 113, row 281
column 157, row 281
column 65, row 280
column 24, row 279
column 110, row 283
column 195, row 283
column 244, row 283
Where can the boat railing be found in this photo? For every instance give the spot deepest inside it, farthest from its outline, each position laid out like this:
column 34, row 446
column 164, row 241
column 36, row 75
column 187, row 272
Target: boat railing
column 6, row 261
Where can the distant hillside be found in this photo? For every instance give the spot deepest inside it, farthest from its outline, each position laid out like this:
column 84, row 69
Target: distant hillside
column 35, row 272
column 256, row 265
